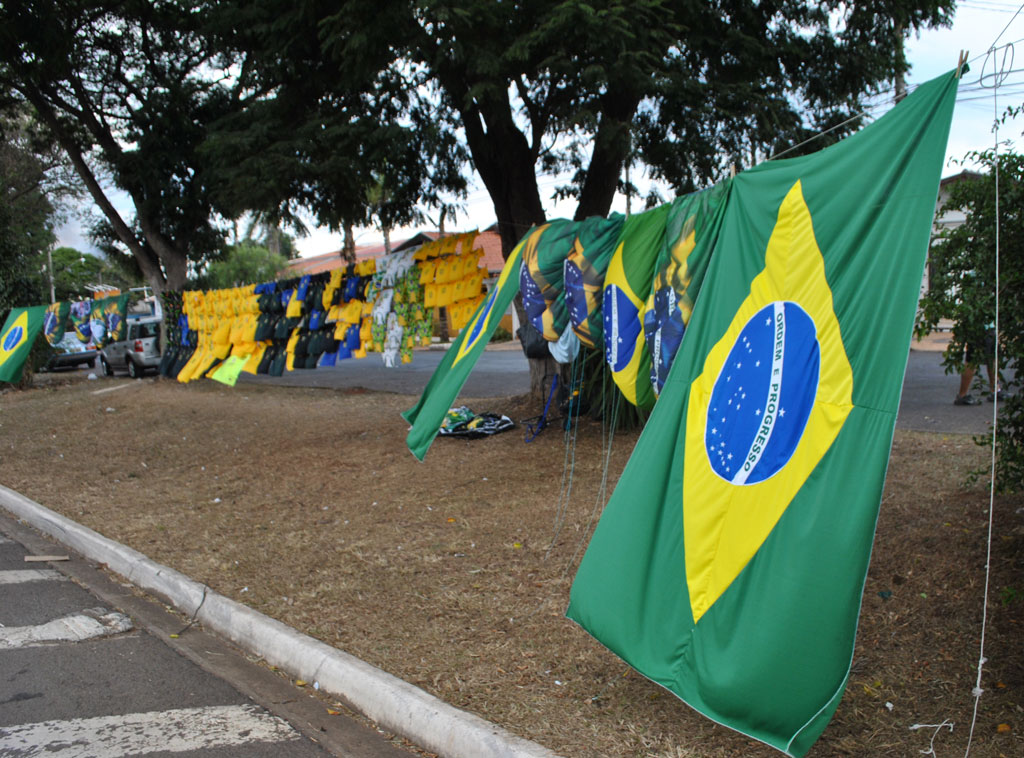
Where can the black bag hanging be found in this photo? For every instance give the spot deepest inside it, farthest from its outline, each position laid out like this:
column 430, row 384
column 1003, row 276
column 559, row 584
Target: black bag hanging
column 533, row 342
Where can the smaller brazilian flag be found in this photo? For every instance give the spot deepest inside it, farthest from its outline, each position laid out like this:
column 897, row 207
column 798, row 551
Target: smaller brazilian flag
column 542, row 276
column 627, row 283
column 16, row 340
column 81, row 310
column 585, row 267
column 97, row 323
column 114, row 312
column 442, row 389
column 55, row 321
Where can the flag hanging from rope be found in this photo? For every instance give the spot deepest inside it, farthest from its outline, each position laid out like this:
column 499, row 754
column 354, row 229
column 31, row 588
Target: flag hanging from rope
column 585, row 267
column 444, row 385
column 729, row 563
column 627, row 284
column 55, row 321
column 679, row 273
column 16, row 340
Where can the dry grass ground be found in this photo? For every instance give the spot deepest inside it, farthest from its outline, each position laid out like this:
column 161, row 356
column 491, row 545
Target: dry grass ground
column 454, row 574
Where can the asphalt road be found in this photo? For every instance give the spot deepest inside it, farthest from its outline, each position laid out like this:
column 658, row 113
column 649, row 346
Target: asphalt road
column 926, row 403
column 82, row 680
column 501, row 371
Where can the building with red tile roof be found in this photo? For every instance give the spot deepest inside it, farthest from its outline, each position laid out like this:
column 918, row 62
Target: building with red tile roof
column 489, row 240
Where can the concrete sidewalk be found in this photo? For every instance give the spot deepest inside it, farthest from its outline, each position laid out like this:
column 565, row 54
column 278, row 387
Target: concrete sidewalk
column 395, row 705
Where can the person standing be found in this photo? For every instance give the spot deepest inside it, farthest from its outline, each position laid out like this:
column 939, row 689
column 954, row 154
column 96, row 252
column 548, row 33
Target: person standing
column 974, row 355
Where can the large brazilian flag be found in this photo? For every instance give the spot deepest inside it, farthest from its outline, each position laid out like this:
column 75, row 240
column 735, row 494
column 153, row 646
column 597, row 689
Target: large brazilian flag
column 444, row 385
column 16, row 340
column 730, row 560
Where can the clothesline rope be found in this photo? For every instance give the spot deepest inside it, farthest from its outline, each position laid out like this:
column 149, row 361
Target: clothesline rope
column 997, row 77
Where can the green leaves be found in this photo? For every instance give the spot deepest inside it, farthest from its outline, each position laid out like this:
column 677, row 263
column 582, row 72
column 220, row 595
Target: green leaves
column 962, row 287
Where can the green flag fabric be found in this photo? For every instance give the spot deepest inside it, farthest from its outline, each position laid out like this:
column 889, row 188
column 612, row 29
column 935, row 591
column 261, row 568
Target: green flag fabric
column 729, row 563
column 585, row 267
column 115, row 311
column 627, row 284
column 542, row 277
column 444, row 385
column 690, row 236
column 55, row 321
column 16, row 340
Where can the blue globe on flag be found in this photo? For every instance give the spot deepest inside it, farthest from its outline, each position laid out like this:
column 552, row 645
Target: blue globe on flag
column 762, row 398
column 13, row 337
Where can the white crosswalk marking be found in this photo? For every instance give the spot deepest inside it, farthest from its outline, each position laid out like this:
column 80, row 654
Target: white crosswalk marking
column 97, row 622
column 17, row 576
column 174, row 731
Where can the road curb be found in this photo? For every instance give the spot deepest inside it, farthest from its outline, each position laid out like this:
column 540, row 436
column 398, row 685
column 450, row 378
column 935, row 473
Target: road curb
column 394, row 704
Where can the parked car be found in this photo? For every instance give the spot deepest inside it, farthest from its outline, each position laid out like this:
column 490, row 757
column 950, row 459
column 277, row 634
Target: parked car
column 70, row 352
column 137, row 352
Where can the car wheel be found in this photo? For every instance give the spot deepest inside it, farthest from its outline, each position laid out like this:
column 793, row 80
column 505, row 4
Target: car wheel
column 133, row 371
column 108, row 370
column 91, row 363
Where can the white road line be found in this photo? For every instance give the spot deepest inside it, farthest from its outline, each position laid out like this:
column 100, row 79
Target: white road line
column 174, row 731
column 115, row 387
column 18, row 576
column 97, row 622
column 5, row 541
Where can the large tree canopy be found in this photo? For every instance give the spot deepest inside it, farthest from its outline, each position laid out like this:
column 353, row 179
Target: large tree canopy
column 335, row 130
column 962, row 288
column 126, row 89
column 27, row 210
column 203, row 111
column 691, row 87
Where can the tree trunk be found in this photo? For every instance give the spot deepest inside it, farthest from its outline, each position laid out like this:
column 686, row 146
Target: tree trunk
column 442, row 325
column 175, row 262
column 348, row 246
column 506, row 164
column 611, row 149
column 148, row 257
column 900, row 81
column 274, row 240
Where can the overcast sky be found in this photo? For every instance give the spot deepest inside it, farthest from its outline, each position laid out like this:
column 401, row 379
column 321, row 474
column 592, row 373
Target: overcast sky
column 978, row 25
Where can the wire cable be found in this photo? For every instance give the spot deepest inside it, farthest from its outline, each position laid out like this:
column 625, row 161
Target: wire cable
column 982, row 660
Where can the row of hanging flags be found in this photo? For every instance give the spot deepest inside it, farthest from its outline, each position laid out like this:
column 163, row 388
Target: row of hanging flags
column 771, row 317
column 382, row 305
column 95, row 323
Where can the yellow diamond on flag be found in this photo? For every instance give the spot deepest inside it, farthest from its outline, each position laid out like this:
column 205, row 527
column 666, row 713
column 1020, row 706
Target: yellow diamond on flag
column 773, row 394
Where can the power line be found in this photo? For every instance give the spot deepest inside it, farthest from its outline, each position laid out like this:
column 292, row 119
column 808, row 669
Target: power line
column 996, row 40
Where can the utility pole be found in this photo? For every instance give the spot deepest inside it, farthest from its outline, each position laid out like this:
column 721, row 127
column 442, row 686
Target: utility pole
column 49, row 269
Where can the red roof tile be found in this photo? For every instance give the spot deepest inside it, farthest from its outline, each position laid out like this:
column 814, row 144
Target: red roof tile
column 490, row 241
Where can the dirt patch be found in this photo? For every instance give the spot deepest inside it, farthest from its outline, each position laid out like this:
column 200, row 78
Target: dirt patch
column 454, row 574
